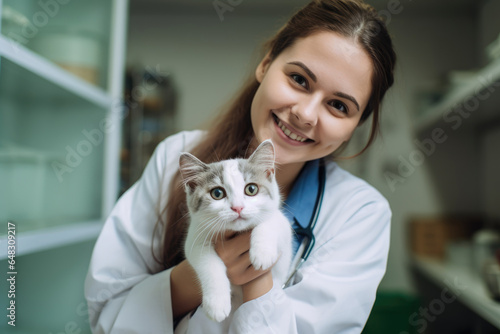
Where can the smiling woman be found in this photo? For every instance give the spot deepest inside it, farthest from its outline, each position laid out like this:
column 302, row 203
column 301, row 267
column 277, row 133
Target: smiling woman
column 312, row 88
column 344, row 48
column 323, row 74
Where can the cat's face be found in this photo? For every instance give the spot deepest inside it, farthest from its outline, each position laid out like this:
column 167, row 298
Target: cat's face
column 232, row 194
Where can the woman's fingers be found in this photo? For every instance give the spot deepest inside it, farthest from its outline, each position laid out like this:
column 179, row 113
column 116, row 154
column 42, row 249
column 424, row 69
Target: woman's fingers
column 233, row 246
column 233, row 249
column 242, row 271
column 229, row 234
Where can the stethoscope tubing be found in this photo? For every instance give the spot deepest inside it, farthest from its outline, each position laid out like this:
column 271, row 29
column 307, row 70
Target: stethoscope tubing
column 309, row 240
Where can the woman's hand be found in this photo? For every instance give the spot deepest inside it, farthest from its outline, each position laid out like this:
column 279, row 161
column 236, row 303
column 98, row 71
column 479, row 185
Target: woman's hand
column 233, row 249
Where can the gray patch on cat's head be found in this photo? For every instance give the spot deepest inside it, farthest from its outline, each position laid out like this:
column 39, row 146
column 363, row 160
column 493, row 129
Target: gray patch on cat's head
column 260, row 168
column 190, row 167
column 264, row 154
column 261, row 165
column 258, row 174
column 204, row 181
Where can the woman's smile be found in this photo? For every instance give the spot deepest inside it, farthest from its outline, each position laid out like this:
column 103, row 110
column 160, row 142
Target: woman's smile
column 289, row 134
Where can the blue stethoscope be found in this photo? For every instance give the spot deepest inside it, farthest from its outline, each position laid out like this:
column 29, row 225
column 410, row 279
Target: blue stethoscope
column 307, row 234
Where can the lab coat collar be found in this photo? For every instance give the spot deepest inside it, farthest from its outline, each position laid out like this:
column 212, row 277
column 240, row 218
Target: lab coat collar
column 299, row 206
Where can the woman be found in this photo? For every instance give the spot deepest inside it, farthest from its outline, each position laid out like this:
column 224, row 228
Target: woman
column 324, row 73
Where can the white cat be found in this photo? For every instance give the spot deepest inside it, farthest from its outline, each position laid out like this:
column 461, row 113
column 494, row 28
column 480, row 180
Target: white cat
column 237, row 195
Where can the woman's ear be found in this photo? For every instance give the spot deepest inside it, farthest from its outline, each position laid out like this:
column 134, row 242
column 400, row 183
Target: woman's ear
column 262, row 68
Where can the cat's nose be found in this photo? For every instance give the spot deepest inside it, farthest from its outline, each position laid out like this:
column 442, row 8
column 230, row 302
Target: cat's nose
column 237, row 209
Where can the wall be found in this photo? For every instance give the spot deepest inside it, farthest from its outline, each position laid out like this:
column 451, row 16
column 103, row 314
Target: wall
column 489, row 30
column 208, row 58
column 50, row 291
column 429, row 189
column 422, row 65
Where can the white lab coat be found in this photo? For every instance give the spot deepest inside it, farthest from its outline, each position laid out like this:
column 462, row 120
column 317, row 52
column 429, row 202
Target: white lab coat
column 333, row 292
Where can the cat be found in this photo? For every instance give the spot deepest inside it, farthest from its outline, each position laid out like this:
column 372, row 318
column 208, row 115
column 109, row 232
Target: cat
column 236, row 195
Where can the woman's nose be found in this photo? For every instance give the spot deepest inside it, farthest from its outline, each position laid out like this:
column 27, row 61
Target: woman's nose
column 306, row 112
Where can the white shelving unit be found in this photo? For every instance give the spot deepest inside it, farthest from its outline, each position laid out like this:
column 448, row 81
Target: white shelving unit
column 51, row 237
column 44, row 68
column 44, row 107
column 465, row 119
column 484, row 81
column 473, row 294
column 462, row 116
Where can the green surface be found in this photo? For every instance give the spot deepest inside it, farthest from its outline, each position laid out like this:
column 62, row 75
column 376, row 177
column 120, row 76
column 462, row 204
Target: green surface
column 49, row 291
column 391, row 314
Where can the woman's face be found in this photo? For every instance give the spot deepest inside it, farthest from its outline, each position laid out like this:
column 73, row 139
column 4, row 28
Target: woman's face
column 316, row 90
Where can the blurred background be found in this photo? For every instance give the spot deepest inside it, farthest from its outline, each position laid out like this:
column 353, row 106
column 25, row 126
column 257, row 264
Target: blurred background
column 89, row 88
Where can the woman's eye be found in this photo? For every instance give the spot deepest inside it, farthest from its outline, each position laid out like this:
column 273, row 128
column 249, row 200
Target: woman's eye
column 251, row 189
column 299, row 79
column 217, row 193
column 340, row 106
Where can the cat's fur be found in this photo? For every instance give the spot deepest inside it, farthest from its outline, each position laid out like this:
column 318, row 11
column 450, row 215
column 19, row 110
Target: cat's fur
column 271, row 237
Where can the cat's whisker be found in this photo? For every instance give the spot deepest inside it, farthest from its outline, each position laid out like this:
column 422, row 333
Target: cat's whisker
column 214, row 223
column 212, row 232
column 207, row 236
column 220, row 234
column 207, row 226
column 219, row 231
column 202, row 227
column 285, row 207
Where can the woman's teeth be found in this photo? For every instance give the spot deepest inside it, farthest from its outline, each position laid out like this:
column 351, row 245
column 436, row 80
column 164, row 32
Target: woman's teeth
column 290, row 134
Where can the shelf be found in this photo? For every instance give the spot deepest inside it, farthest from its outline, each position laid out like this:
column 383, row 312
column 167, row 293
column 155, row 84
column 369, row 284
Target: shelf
column 27, row 59
column 484, row 82
column 473, row 294
column 53, row 237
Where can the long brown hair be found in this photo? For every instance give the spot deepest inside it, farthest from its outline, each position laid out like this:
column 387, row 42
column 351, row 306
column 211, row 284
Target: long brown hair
column 231, row 132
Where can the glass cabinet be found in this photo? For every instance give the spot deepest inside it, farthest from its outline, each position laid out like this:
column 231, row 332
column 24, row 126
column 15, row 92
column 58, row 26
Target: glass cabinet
column 61, row 79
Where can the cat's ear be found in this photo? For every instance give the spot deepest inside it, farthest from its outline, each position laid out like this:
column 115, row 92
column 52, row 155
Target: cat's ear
column 263, row 156
column 190, row 166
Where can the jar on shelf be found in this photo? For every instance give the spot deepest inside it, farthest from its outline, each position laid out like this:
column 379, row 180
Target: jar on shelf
column 485, row 243
column 77, row 51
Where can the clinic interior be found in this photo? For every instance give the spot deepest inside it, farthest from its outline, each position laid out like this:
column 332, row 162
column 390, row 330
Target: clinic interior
column 436, row 159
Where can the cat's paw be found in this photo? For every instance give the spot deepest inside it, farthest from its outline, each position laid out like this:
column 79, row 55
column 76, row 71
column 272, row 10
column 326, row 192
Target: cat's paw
column 263, row 257
column 217, row 306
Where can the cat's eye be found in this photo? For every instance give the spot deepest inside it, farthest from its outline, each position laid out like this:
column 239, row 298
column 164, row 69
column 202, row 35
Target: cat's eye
column 218, row 193
column 251, row 189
